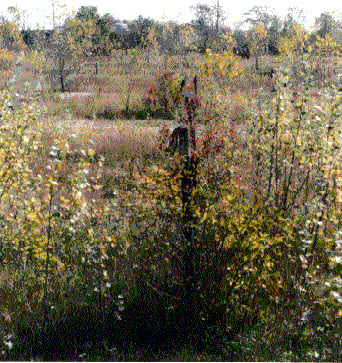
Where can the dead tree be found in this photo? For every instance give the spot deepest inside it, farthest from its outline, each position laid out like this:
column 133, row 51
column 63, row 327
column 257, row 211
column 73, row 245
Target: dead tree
column 179, row 142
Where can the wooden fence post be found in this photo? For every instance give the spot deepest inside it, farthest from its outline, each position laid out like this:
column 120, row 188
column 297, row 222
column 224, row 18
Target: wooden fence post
column 183, row 142
column 188, row 185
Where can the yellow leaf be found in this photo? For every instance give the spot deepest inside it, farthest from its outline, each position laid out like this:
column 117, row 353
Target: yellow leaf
column 204, row 217
column 91, row 152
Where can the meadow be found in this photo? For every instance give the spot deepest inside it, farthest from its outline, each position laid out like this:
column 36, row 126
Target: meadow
column 101, row 258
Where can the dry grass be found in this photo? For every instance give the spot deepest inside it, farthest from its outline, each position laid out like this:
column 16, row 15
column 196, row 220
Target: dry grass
column 125, row 146
column 117, row 140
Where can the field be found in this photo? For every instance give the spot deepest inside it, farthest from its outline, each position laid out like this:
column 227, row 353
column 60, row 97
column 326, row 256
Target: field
column 113, row 249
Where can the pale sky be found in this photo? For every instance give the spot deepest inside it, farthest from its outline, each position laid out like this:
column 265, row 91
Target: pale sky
column 38, row 11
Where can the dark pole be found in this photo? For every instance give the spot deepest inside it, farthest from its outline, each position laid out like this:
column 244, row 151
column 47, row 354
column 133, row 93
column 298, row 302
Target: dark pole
column 53, row 15
column 188, row 185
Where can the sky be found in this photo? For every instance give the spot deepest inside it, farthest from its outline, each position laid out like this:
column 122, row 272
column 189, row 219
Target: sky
column 40, row 11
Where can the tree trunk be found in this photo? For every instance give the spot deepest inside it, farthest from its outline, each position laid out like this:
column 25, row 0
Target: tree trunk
column 61, row 73
column 257, row 63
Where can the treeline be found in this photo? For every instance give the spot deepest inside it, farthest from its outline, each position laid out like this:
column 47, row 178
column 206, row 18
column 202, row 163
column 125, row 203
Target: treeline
column 99, row 34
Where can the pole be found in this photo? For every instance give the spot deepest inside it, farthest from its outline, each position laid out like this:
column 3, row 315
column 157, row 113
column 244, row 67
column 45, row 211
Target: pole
column 53, row 14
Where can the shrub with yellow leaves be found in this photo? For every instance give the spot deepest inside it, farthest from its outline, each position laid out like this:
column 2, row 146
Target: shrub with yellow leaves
column 296, row 42
column 327, row 46
column 219, row 67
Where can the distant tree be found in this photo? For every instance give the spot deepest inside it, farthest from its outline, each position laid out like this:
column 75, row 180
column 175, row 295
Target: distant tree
column 241, row 47
column 326, row 46
column 259, row 15
column 274, row 31
column 28, row 36
column 150, row 43
column 94, row 33
column 141, row 27
column 62, row 48
column 264, row 16
column 219, row 16
column 293, row 16
column 326, row 24
column 203, row 23
column 62, row 57
column 80, row 33
column 257, row 41
column 219, row 66
column 107, row 38
column 11, row 29
column 187, row 39
column 87, row 13
column 168, row 35
column 296, row 42
column 208, row 24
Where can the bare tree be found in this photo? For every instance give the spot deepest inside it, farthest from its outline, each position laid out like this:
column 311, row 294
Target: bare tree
column 203, row 23
column 293, row 15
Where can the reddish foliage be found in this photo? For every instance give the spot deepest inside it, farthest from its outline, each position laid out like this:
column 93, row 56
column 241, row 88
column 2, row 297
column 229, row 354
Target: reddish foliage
column 212, row 143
